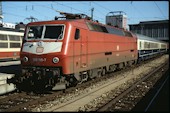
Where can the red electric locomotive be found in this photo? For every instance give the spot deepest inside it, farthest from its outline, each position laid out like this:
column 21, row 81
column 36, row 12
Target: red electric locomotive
column 61, row 53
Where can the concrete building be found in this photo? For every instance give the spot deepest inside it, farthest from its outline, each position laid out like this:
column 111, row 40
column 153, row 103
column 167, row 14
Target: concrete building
column 155, row 29
column 117, row 19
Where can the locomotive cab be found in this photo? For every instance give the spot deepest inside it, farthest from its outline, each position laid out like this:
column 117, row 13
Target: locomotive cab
column 41, row 54
column 47, row 54
column 40, row 40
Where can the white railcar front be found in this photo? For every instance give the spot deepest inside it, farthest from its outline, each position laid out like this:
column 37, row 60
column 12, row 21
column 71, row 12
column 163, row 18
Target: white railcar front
column 10, row 44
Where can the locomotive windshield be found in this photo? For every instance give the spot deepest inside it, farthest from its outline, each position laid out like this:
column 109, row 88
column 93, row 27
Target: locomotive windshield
column 45, row 32
column 35, row 32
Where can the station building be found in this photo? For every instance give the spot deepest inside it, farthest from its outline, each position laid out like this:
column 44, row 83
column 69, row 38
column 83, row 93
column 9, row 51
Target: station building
column 155, row 29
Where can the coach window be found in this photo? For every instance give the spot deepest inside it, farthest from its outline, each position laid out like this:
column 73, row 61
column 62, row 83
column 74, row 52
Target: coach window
column 3, row 37
column 140, row 44
column 14, row 38
column 3, row 45
column 15, row 45
column 77, row 34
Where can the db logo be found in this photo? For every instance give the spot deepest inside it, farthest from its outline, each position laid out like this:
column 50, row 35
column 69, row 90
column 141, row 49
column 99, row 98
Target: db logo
column 39, row 49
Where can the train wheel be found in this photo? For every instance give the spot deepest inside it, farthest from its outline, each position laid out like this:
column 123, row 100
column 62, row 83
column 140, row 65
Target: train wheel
column 103, row 71
column 72, row 81
column 130, row 63
column 92, row 73
column 112, row 68
column 120, row 66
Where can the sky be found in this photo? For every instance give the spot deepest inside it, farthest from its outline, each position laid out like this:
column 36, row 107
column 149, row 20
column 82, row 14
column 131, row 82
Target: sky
column 136, row 11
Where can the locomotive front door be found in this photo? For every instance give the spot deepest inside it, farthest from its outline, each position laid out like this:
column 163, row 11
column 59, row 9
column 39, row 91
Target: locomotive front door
column 83, row 48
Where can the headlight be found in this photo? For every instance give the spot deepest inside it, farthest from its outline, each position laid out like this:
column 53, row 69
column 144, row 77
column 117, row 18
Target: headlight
column 55, row 60
column 25, row 59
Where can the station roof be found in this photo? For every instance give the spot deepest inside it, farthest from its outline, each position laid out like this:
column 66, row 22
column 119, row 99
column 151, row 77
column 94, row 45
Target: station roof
column 10, row 29
column 152, row 22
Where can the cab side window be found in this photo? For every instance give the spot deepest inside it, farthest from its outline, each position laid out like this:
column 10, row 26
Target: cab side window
column 77, row 34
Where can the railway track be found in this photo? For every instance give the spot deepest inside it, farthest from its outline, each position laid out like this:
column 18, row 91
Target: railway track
column 21, row 101
column 129, row 98
column 17, row 101
column 79, row 103
column 29, row 102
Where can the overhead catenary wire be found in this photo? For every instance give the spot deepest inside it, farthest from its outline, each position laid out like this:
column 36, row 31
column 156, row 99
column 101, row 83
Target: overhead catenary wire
column 99, row 9
column 34, row 10
column 70, row 7
column 52, row 8
column 136, row 9
column 159, row 10
column 102, row 6
column 14, row 14
column 27, row 8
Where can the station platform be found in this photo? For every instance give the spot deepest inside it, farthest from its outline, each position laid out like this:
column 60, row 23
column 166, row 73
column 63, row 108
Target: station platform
column 8, row 70
column 4, row 87
column 10, row 63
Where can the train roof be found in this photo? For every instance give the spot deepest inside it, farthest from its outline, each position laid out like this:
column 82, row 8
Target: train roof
column 91, row 25
column 53, row 21
column 143, row 37
column 74, row 20
column 10, row 29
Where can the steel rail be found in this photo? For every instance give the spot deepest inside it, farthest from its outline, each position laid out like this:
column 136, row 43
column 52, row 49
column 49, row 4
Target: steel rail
column 12, row 97
column 23, row 107
column 111, row 102
column 158, row 91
